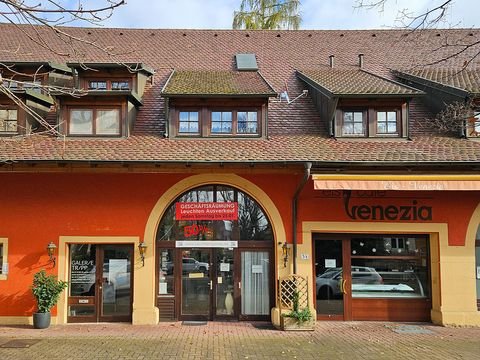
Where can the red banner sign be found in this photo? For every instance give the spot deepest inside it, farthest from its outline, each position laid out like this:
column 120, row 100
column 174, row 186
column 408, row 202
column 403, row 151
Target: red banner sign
column 206, row 211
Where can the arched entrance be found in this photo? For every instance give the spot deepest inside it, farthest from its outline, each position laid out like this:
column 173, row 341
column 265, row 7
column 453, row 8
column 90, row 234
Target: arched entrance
column 214, row 256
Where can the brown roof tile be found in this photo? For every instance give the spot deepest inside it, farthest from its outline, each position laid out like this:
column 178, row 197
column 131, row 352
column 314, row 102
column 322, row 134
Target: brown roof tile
column 296, row 131
column 459, row 78
column 216, row 82
column 355, row 82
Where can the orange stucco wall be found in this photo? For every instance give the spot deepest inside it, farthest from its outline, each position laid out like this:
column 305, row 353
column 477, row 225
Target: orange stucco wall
column 38, row 208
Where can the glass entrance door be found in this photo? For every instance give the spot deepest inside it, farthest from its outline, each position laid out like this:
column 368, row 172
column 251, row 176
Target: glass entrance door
column 100, row 284
column 116, row 283
column 332, row 279
column 224, row 284
column 196, row 284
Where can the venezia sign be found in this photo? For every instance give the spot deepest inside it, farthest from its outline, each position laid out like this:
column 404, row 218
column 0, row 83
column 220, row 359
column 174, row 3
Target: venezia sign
column 206, row 211
column 412, row 211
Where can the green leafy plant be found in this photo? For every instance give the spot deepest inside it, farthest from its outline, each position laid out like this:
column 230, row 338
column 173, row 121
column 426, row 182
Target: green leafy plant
column 46, row 289
column 299, row 315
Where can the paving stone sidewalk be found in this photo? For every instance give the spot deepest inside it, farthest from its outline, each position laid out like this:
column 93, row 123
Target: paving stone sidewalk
column 240, row 340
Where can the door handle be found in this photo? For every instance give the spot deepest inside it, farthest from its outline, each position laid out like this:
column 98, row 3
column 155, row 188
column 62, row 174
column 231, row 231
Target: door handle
column 344, row 288
column 240, row 285
column 211, row 285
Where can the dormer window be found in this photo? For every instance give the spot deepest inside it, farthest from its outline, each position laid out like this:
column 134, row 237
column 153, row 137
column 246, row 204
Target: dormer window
column 102, row 85
column 120, row 85
column 354, row 123
column 8, row 120
column 221, row 122
column 97, row 85
column 188, row 123
column 94, row 122
column 363, row 104
column 212, row 122
column 369, row 121
column 387, row 122
column 217, row 103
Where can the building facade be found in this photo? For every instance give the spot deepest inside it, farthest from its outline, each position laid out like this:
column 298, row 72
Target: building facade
column 187, row 178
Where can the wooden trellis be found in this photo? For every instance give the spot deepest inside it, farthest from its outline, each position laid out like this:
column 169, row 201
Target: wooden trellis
column 288, row 287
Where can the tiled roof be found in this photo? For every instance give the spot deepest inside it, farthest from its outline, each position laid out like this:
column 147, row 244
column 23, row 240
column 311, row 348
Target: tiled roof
column 355, row 82
column 208, row 82
column 463, row 79
column 296, row 131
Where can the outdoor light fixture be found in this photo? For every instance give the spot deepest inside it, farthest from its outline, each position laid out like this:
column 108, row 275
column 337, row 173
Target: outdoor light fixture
column 142, row 249
column 51, row 247
column 285, row 251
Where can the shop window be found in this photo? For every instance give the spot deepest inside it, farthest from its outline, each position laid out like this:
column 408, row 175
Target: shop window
column 8, row 120
column 390, row 267
column 94, row 122
column 166, row 263
column 3, row 258
column 218, row 122
column 251, row 224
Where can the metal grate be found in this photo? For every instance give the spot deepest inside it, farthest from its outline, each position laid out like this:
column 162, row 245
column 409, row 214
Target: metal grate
column 289, row 286
column 194, row 323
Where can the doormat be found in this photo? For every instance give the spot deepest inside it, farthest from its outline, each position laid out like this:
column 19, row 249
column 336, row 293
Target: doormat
column 263, row 326
column 19, row 344
column 194, row 323
column 411, row 329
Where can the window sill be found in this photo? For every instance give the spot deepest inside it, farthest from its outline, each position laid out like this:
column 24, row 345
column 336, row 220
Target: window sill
column 92, row 137
column 3, row 277
column 374, row 138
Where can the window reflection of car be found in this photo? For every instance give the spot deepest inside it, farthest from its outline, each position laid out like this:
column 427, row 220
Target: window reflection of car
column 191, row 265
column 119, row 280
column 328, row 284
column 395, row 284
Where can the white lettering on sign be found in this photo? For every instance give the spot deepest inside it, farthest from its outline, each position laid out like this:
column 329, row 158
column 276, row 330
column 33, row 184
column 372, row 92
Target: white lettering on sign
column 206, row 244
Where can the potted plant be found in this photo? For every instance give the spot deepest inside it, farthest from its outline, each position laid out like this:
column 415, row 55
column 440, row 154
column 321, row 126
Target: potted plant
column 297, row 319
column 46, row 289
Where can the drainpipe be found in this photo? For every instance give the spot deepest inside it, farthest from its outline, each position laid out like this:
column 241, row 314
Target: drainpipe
column 306, row 175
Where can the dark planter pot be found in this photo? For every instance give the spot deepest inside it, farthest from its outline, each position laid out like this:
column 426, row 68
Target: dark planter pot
column 41, row 320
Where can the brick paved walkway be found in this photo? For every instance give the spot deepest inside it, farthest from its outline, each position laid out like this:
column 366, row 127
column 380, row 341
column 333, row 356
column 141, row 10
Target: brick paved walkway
column 243, row 340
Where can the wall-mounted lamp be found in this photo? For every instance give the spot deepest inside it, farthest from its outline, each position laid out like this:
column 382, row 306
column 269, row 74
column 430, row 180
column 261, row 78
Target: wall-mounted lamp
column 142, row 249
column 51, row 247
column 285, row 253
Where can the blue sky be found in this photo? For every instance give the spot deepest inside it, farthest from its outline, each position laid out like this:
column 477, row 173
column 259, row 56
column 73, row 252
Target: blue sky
column 317, row 14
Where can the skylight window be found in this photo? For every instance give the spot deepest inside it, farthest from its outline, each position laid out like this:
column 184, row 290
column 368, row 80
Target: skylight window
column 246, row 62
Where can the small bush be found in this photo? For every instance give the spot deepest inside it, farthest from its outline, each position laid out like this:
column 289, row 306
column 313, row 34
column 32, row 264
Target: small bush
column 46, row 289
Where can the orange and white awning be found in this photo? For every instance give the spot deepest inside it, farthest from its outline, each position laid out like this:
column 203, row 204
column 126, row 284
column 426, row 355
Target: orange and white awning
column 397, row 182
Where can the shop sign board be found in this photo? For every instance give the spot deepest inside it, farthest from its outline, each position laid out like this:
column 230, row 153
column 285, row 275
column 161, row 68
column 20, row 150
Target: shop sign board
column 206, row 211
column 206, row 244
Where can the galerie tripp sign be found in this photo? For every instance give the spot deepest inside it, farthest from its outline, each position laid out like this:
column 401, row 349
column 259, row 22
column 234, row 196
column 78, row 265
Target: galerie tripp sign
column 206, row 211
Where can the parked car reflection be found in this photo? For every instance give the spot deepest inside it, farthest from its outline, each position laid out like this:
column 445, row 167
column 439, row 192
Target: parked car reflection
column 328, row 284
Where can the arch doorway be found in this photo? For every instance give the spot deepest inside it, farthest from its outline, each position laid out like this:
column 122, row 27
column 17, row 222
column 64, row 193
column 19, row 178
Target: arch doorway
column 215, row 257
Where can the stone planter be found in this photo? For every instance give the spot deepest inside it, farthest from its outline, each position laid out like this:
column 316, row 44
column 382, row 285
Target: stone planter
column 291, row 324
column 41, row 320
